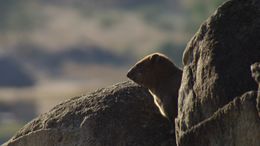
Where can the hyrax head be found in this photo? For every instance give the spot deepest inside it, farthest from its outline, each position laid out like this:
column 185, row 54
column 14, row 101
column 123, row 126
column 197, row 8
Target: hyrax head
column 148, row 71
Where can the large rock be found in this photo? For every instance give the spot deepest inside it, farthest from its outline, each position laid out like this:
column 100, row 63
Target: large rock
column 120, row 115
column 217, row 70
column 236, row 124
column 255, row 69
column 217, row 61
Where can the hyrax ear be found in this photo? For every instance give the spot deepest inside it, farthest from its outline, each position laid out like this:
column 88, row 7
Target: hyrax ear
column 155, row 58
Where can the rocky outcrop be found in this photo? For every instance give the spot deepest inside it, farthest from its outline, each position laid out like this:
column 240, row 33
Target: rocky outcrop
column 120, row 115
column 235, row 124
column 212, row 108
column 255, row 69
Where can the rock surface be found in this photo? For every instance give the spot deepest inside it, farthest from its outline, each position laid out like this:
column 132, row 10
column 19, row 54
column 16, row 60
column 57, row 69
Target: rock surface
column 120, row 115
column 216, row 73
column 217, row 61
column 236, row 124
column 255, row 69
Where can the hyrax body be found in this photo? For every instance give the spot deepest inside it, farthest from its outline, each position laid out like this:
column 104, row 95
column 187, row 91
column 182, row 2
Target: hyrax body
column 157, row 73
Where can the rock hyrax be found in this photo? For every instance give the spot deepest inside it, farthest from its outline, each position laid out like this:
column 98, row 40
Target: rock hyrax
column 157, row 73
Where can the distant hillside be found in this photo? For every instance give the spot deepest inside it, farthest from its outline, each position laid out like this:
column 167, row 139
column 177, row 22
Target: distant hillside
column 53, row 61
column 13, row 74
column 87, row 55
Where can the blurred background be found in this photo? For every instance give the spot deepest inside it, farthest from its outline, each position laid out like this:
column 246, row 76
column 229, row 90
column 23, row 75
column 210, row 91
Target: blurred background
column 51, row 50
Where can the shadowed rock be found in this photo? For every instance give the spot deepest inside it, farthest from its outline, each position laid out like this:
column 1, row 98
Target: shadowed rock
column 255, row 69
column 120, row 115
column 217, row 71
column 217, row 61
column 236, row 124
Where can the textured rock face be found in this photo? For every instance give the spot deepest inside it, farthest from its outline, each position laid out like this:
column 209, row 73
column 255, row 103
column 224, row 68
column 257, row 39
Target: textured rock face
column 121, row 115
column 255, row 69
column 215, row 107
column 217, row 61
column 235, row 124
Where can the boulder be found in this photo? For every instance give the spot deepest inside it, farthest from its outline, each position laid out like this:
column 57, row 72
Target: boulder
column 120, row 115
column 214, row 105
column 217, row 61
column 235, row 124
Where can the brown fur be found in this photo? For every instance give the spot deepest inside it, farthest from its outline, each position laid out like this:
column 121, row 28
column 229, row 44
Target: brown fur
column 157, row 73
